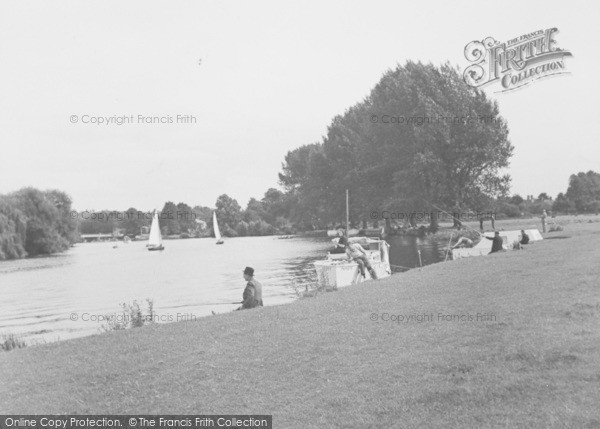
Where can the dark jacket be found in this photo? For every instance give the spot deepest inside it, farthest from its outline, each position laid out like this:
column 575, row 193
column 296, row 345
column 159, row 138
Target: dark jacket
column 252, row 296
column 525, row 239
column 496, row 243
column 248, row 298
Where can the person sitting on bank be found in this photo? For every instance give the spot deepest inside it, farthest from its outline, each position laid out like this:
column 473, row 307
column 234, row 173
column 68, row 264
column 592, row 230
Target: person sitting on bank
column 496, row 242
column 524, row 237
column 356, row 252
column 252, row 296
column 464, row 242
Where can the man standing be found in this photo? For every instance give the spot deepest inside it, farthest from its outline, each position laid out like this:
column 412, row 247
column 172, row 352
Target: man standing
column 358, row 254
column 544, row 216
column 252, row 296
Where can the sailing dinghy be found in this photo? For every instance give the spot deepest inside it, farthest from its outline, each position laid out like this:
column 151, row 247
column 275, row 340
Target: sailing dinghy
column 155, row 238
column 216, row 229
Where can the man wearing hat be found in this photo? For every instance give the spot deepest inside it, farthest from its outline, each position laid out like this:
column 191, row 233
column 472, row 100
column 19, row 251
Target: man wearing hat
column 252, row 296
column 497, row 242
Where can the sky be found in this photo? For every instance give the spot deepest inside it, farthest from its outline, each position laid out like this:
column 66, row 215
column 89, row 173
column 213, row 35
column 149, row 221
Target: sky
column 260, row 78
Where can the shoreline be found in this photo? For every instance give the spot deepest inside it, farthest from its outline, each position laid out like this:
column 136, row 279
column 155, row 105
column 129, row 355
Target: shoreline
column 313, row 359
column 441, row 236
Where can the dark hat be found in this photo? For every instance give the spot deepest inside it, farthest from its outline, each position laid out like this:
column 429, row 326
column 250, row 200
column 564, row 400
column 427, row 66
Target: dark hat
column 249, row 271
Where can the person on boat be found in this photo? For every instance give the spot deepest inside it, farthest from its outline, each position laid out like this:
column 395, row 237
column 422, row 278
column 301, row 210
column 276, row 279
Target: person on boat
column 356, row 252
column 252, row 296
column 339, row 248
column 496, row 242
column 524, row 237
column 464, row 242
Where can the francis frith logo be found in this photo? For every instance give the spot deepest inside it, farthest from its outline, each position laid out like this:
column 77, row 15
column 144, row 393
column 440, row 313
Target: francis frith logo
column 515, row 63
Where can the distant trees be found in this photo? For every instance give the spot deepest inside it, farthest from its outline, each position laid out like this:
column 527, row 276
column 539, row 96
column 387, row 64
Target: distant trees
column 169, row 221
column 584, row 191
column 582, row 196
column 229, row 215
column 186, row 218
column 265, row 217
column 134, row 220
column 33, row 222
column 562, row 204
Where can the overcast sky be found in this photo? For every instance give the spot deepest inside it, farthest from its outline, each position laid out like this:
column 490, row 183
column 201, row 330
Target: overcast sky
column 272, row 76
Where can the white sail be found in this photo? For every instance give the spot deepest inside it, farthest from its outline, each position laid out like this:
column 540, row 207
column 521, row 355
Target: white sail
column 216, row 227
column 155, row 238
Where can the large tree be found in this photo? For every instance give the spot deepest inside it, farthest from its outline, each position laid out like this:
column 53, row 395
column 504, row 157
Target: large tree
column 36, row 222
column 422, row 139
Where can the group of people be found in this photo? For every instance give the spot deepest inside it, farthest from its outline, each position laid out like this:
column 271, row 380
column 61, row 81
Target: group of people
column 491, row 217
column 497, row 242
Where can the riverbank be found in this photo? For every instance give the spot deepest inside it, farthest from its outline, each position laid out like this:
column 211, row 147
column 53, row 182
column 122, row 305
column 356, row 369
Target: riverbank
column 530, row 360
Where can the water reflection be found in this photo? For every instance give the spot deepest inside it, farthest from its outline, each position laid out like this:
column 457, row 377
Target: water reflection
column 404, row 250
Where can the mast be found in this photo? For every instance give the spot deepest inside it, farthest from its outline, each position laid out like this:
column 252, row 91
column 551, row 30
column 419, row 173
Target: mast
column 347, row 217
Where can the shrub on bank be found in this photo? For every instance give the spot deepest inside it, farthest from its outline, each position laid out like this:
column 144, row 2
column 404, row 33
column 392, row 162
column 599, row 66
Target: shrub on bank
column 131, row 316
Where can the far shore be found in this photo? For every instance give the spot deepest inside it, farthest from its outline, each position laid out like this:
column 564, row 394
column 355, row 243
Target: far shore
column 510, row 339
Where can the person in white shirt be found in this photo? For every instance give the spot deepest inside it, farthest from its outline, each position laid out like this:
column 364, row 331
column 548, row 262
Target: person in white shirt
column 356, row 252
column 463, row 242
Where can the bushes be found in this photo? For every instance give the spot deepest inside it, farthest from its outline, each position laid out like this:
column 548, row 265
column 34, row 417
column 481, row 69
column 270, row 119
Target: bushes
column 260, row 227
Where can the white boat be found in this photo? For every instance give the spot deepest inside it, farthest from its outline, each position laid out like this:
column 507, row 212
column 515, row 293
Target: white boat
column 484, row 247
column 155, row 237
column 216, row 229
column 337, row 271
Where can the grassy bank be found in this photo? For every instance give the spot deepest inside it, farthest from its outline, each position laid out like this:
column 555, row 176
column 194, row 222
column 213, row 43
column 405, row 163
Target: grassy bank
column 324, row 362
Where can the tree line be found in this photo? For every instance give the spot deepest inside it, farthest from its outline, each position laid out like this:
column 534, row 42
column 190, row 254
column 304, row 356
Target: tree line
column 266, row 216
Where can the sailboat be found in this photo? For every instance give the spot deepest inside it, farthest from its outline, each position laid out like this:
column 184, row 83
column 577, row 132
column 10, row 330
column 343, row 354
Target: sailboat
column 216, row 229
column 155, row 238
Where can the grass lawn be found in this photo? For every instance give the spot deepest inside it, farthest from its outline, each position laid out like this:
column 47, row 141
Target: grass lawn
column 323, row 362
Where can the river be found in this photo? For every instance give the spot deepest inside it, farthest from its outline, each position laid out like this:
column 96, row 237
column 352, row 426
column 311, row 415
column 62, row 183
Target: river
column 68, row 295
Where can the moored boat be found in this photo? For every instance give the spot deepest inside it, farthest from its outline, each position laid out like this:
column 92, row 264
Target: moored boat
column 338, row 271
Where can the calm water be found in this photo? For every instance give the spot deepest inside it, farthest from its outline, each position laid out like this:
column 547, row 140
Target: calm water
column 41, row 296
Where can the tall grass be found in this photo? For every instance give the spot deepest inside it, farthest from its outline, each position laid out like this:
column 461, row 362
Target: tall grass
column 131, row 316
column 10, row 342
